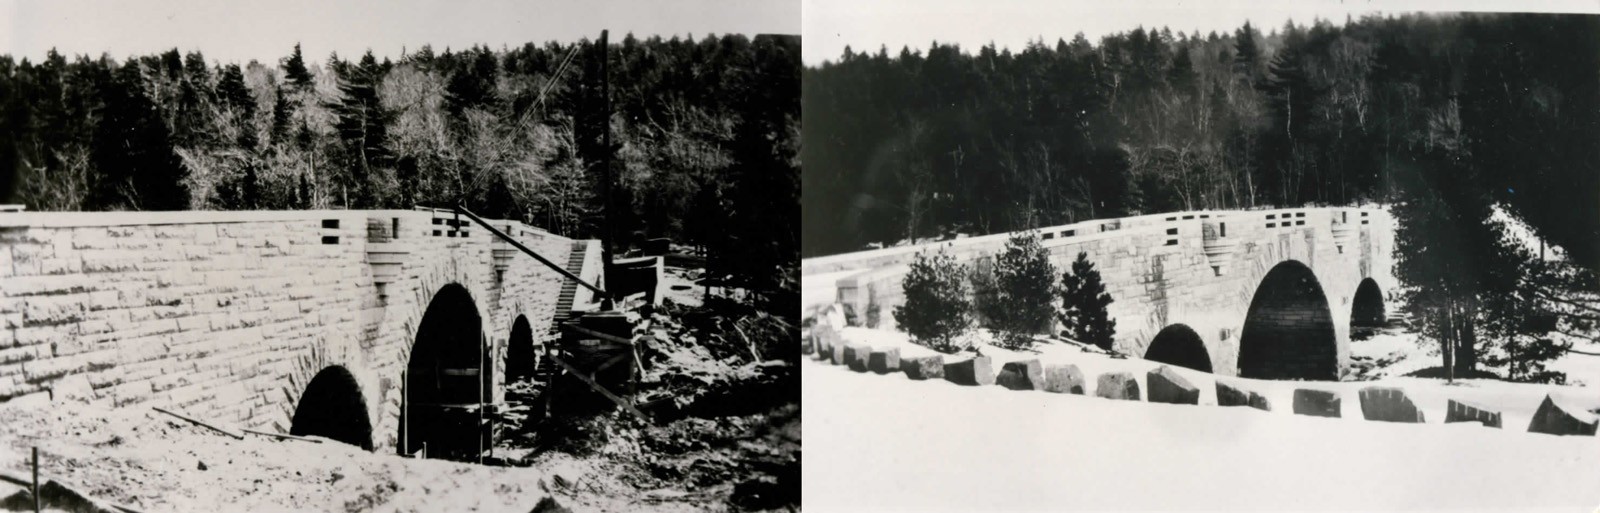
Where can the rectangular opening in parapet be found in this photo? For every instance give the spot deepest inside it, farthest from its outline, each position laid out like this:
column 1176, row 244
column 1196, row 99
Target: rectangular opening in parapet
column 1270, row 225
column 1069, row 233
column 1363, row 221
column 437, row 220
column 1188, row 217
column 1172, row 242
column 1299, row 214
column 1172, row 231
column 330, row 239
column 436, row 233
column 394, row 230
column 1299, row 223
column 1272, row 216
column 330, row 223
column 1363, row 214
column 1223, row 228
column 1048, row 236
column 1172, row 219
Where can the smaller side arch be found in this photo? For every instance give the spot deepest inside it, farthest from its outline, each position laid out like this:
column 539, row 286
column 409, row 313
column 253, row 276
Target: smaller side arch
column 522, row 355
column 332, row 407
column 1179, row 345
column 1367, row 308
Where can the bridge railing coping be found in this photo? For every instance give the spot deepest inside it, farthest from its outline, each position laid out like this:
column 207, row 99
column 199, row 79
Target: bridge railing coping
column 1083, row 231
column 37, row 219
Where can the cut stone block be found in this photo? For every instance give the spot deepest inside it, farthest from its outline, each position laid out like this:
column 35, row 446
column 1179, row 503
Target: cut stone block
column 1021, row 375
column 1166, row 386
column 923, row 367
column 1063, row 379
column 1559, row 419
column 1388, row 404
column 1260, row 402
column 1316, row 403
column 1117, row 385
column 855, row 355
column 837, row 354
column 971, row 372
column 1462, row 411
column 884, row 361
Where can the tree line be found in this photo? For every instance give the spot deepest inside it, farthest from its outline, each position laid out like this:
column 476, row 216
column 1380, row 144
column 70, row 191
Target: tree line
column 1458, row 121
column 704, row 137
column 931, row 142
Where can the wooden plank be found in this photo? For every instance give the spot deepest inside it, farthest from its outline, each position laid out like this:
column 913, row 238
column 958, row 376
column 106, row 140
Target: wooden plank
column 602, row 390
column 282, row 435
column 202, row 423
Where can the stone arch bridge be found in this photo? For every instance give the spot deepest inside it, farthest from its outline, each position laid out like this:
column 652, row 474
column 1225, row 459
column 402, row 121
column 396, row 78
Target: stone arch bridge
column 379, row 328
column 1259, row 293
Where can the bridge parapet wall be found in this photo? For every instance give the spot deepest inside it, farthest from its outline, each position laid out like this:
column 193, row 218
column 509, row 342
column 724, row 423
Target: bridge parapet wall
column 1201, row 269
column 228, row 315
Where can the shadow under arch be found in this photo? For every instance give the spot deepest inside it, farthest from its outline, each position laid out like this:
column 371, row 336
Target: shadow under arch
column 1179, row 345
column 1288, row 332
column 447, row 379
column 521, row 355
column 331, row 407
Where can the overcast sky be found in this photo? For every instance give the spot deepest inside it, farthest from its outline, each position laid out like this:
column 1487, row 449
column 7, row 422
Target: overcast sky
column 240, row 31
column 830, row 25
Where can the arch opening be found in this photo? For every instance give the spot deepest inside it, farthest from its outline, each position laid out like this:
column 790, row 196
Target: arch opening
column 331, row 407
column 521, row 355
column 1179, row 345
column 1366, row 310
column 1288, row 332
column 447, row 382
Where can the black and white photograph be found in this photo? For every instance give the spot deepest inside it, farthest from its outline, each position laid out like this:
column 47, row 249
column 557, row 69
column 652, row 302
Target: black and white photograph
column 1201, row 256
column 400, row 256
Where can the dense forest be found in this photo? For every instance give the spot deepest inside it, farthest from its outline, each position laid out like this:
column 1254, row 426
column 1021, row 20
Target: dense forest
column 702, row 131
column 929, row 143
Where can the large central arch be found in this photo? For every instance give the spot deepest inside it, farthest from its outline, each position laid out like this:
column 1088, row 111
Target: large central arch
column 1289, row 331
column 446, row 379
column 1179, row 345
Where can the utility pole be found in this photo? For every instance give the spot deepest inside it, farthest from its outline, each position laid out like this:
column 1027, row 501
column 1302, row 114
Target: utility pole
column 610, row 232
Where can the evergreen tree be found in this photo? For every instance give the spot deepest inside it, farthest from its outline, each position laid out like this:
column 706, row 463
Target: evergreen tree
column 1023, row 295
column 294, row 69
column 1083, row 305
column 936, row 309
column 133, row 155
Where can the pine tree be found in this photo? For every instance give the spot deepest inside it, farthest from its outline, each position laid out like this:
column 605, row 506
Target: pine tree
column 1084, row 301
column 1023, row 293
column 294, row 68
column 936, row 310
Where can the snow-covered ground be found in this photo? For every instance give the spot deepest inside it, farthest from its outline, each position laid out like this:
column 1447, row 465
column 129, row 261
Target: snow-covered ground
column 877, row 443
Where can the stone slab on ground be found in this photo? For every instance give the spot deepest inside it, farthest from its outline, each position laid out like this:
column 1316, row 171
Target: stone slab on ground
column 837, row 355
column 1388, row 404
column 923, row 367
column 884, row 361
column 856, row 355
column 1063, row 379
column 1117, row 385
column 1316, row 403
column 971, row 372
column 1462, row 411
column 1559, row 419
column 1166, row 386
column 1021, row 375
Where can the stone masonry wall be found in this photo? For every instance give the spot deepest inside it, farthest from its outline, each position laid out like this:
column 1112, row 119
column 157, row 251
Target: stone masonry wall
column 1163, row 270
column 228, row 315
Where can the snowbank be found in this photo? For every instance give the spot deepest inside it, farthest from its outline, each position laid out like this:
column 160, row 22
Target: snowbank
column 882, row 443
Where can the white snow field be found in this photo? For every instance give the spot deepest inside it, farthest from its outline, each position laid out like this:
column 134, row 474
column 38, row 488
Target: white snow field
column 887, row 443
